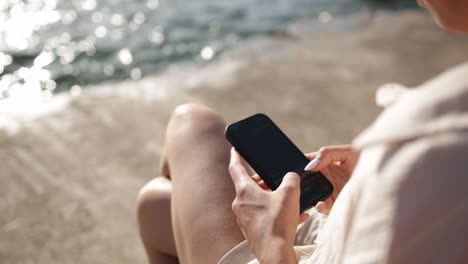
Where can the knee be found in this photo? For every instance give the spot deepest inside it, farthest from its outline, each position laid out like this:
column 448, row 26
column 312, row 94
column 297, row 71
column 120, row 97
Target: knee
column 153, row 199
column 191, row 119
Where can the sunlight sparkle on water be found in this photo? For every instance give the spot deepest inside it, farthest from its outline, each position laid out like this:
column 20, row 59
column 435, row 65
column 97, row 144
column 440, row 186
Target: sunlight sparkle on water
column 27, row 87
column 100, row 31
column 86, row 4
column 125, row 56
column 5, row 59
column 75, row 90
column 21, row 26
column 139, row 18
column 207, row 53
column 23, row 20
column 152, row 4
column 109, row 70
column 157, row 37
column 135, row 74
column 44, row 59
column 325, row 17
column 69, row 17
column 117, row 19
column 50, row 85
column 97, row 17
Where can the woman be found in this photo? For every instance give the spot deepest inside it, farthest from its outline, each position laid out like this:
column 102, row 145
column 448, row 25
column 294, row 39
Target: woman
column 399, row 190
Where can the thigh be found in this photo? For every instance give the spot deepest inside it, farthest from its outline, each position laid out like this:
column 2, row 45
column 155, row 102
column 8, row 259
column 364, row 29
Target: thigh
column 203, row 222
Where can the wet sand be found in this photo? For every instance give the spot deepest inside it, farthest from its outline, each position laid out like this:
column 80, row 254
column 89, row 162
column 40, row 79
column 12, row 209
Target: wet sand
column 69, row 178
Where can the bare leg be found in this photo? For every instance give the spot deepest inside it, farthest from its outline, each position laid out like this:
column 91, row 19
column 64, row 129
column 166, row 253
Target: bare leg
column 200, row 195
column 154, row 220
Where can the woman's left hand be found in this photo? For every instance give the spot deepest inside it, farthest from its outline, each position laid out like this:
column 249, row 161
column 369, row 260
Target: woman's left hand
column 268, row 219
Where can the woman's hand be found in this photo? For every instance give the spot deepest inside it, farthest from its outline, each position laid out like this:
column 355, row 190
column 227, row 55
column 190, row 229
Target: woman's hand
column 337, row 164
column 268, row 219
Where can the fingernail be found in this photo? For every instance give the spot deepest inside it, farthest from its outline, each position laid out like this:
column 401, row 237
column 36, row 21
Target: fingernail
column 312, row 164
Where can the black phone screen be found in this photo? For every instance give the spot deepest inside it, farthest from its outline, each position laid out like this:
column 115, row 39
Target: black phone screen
column 272, row 154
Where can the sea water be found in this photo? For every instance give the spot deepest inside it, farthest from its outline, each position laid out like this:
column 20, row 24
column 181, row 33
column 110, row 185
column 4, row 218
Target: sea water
column 47, row 46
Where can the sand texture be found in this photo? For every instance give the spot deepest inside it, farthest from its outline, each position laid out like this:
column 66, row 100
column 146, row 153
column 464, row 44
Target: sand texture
column 69, row 178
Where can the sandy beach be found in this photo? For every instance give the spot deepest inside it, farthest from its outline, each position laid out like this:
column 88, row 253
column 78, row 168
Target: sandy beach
column 69, row 178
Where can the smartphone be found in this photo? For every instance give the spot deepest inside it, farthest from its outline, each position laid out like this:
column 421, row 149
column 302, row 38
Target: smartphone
column 272, row 155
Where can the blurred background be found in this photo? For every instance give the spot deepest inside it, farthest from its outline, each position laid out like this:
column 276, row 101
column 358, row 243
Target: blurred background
column 54, row 45
column 87, row 88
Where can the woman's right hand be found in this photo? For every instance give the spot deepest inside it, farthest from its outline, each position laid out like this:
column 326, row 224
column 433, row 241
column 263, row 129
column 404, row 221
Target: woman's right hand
column 337, row 164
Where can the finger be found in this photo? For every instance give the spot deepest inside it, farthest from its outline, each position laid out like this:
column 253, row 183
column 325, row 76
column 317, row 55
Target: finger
column 263, row 185
column 320, row 207
column 260, row 182
column 330, row 155
column 311, row 155
column 239, row 174
column 303, row 217
column 291, row 183
column 323, row 207
column 256, row 178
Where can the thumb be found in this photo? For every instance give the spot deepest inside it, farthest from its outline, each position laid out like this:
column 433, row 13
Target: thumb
column 291, row 183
